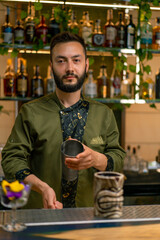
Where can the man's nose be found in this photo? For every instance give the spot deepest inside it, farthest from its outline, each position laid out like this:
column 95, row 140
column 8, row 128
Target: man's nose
column 70, row 66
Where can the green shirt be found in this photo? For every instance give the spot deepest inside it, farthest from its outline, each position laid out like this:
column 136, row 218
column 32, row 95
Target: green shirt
column 35, row 143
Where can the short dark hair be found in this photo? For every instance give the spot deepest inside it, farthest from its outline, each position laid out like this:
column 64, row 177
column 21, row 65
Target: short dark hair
column 65, row 37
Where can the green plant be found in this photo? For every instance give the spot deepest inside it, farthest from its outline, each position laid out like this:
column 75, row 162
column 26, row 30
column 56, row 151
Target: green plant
column 144, row 14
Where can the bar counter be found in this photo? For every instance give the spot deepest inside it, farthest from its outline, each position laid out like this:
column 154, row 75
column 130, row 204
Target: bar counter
column 137, row 222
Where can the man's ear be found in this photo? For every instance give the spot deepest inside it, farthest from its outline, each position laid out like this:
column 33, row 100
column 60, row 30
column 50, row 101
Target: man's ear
column 87, row 64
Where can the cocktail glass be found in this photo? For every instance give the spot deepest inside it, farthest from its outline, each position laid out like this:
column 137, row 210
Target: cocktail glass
column 15, row 202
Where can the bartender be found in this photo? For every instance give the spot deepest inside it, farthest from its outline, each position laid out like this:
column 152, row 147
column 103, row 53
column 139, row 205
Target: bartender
column 32, row 152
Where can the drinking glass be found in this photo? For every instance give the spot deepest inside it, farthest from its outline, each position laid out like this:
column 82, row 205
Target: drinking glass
column 18, row 201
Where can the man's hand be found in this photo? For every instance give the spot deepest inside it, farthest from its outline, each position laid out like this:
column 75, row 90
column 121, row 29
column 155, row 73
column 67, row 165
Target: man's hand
column 49, row 199
column 48, row 194
column 88, row 158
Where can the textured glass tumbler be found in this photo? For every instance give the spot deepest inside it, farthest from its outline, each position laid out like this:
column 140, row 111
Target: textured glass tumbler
column 108, row 194
column 70, row 148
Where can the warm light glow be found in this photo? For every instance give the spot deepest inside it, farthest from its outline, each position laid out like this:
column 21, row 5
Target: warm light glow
column 127, row 101
column 128, row 51
column 81, row 4
column 32, row 51
column 132, row 101
column 86, row 4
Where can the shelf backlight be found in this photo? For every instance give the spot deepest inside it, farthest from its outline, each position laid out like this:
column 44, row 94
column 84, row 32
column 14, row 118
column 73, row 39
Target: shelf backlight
column 86, row 4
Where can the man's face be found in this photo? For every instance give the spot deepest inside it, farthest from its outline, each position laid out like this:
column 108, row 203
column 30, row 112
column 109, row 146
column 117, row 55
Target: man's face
column 69, row 66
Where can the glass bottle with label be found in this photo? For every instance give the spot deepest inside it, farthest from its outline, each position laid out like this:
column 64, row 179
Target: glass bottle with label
column 42, row 30
column 110, row 30
column 148, row 88
column 126, row 86
column 157, row 85
column 111, row 87
column 50, row 83
column 81, row 21
column 73, row 25
column 7, row 29
column 37, row 85
column 19, row 32
column 102, row 86
column 30, row 25
column 9, row 80
column 53, row 27
column 146, row 34
column 86, row 30
column 98, row 36
column 130, row 34
column 121, row 32
column 117, row 83
column 90, row 87
column 156, row 34
column 22, row 79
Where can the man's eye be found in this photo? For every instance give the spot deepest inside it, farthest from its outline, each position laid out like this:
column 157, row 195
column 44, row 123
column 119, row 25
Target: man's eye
column 61, row 61
column 76, row 60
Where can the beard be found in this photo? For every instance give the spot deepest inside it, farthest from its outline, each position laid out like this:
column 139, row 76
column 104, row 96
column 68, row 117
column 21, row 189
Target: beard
column 69, row 88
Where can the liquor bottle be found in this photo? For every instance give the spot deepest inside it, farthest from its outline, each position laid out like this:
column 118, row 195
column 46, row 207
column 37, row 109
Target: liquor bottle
column 37, row 85
column 134, row 161
column 81, row 21
column 127, row 159
column 50, row 83
column 157, row 85
column 73, row 24
column 121, row 32
column 90, row 87
column 146, row 34
column 102, row 87
column 9, row 80
column 126, row 86
column 7, row 29
column 148, row 88
column 42, row 30
column 156, row 34
column 130, row 34
column 86, row 30
column 110, row 30
column 117, row 83
column 22, row 79
column 30, row 25
column 19, row 32
column 98, row 36
column 53, row 27
column 111, row 87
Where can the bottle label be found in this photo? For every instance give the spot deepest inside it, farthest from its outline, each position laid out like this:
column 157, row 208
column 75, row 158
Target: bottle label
column 50, row 87
column 30, row 32
column 7, row 37
column 117, row 86
column 121, row 37
column 131, row 30
column 30, row 24
column 22, row 85
column 157, row 38
column 19, row 36
column 91, row 90
column 86, row 34
column 9, row 86
column 37, row 88
column 42, row 33
column 110, row 34
column 130, row 41
column 98, row 39
column 146, row 37
column 54, row 25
